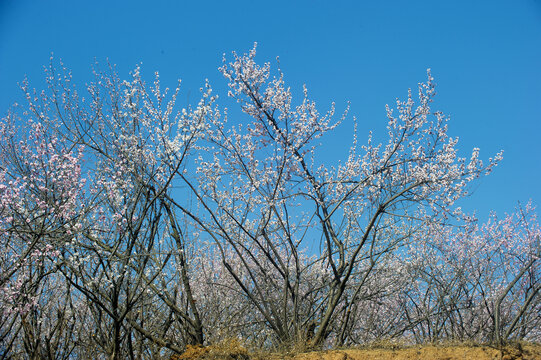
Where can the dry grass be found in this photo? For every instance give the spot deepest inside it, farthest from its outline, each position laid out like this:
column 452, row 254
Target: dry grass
column 233, row 349
column 528, row 352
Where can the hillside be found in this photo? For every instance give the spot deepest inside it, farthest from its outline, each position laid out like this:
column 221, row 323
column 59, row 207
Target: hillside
column 459, row 352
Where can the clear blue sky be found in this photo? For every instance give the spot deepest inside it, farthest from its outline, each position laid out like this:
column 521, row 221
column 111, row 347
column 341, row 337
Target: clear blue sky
column 485, row 56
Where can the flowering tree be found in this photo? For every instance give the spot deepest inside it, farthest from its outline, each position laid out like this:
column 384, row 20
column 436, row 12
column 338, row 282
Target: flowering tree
column 129, row 226
column 126, row 237
column 139, row 143
column 40, row 191
column 261, row 173
column 478, row 283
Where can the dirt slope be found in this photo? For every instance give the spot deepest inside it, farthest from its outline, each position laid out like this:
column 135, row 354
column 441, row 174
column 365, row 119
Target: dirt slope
column 238, row 352
column 428, row 353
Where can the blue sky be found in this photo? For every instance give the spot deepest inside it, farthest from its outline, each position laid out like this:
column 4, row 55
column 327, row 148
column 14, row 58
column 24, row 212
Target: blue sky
column 484, row 55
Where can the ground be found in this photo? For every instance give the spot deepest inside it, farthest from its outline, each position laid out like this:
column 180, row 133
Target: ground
column 234, row 350
column 428, row 353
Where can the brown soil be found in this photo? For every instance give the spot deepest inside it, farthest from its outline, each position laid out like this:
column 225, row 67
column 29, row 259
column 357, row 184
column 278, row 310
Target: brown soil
column 234, row 351
column 429, row 353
